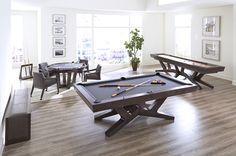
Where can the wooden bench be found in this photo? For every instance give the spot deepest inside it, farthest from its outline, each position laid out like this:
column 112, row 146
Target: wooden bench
column 18, row 117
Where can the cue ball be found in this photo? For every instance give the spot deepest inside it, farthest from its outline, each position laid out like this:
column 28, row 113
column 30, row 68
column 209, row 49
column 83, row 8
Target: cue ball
column 118, row 88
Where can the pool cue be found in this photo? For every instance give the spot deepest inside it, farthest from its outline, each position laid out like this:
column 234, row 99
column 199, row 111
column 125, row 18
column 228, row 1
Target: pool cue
column 122, row 85
column 117, row 85
column 130, row 88
column 131, row 85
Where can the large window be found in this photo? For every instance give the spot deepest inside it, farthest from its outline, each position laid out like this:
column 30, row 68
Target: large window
column 100, row 38
column 183, row 35
column 17, row 39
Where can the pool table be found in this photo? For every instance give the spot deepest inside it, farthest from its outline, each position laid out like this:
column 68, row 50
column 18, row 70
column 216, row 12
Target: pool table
column 129, row 104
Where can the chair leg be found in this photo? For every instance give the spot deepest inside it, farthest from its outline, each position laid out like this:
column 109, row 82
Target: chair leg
column 32, row 91
column 84, row 78
column 42, row 94
column 57, row 88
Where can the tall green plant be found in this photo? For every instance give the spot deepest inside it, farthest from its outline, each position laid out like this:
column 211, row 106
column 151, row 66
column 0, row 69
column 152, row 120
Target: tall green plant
column 134, row 45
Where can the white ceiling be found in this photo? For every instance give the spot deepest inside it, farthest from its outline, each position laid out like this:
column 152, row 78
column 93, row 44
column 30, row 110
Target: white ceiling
column 151, row 5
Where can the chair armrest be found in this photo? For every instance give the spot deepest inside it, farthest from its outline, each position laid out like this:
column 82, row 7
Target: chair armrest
column 88, row 71
column 92, row 70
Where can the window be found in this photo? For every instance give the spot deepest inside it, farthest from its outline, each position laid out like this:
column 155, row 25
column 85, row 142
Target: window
column 183, row 35
column 100, row 38
column 17, row 39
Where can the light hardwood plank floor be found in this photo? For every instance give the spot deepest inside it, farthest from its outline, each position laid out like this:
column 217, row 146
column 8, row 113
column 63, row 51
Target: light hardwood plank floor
column 205, row 124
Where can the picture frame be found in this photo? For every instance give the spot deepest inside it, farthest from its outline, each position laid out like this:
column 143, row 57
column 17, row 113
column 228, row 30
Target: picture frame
column 211, row 49
column 59, row 19
column 211, row 26
column 59, row 52
column 59, row 41
column 59, row 30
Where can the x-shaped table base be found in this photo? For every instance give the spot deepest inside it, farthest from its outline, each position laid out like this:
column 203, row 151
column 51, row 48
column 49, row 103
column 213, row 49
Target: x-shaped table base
column 128, row 113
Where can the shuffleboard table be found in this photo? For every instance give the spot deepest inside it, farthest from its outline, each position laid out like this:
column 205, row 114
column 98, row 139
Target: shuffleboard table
column 178, row 65
column 131, row 103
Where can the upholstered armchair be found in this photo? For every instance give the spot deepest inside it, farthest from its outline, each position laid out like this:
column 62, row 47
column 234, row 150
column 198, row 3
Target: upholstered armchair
column 93, row 74
column 85, row 62
column 43, row 67
column 42, row 82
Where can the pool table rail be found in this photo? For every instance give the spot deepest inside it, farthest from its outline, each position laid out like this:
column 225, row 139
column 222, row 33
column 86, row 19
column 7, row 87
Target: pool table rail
column 120, row 101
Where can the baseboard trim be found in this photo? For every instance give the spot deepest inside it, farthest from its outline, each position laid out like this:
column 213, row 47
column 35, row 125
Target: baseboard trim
column 222, row 76
column 1, row 147
column 234, row 82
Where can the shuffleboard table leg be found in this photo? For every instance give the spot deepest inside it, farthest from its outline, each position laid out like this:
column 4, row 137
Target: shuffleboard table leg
column 198, row 78
column 177, row 71
column 199, row 86
column 126, row 117
column 105, row 115
column 206, row 84
column 194, row 75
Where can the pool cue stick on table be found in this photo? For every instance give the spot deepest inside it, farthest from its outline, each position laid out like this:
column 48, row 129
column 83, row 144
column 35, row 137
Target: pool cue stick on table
column 132, row 85
column 121, row 85
column 130, row 88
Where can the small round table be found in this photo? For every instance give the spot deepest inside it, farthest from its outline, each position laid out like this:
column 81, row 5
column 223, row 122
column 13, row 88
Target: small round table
column 67, row 69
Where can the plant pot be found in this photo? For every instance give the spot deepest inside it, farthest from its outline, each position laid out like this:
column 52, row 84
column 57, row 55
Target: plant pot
column 134, row 62
column 134, row 66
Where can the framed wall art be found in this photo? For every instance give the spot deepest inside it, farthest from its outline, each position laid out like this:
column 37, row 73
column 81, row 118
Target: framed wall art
column 59, row 52
column 59, row 41
column 58, row 19
column 211, row 26
column 211, row 49
column 58, row 30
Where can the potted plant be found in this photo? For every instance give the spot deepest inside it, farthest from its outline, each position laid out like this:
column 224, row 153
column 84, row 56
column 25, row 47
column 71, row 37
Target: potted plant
column 133, row 46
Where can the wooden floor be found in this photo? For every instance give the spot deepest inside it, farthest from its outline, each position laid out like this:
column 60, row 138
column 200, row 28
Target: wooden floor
column 205, row 124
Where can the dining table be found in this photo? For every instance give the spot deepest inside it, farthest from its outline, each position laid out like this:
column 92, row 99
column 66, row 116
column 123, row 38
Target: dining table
column 66, row 72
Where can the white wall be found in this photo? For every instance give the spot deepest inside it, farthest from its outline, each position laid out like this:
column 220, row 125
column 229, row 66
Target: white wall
column 47, row 36
column 30, row 35
column 153, row 32
column 234, row 45
column 226, row 38
column 5, row 61
column 226, row 13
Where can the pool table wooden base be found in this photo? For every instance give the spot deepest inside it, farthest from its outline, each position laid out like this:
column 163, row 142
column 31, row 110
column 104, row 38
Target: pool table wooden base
column 128, row 113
